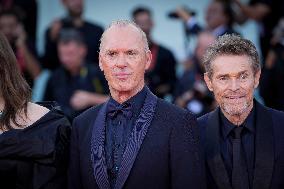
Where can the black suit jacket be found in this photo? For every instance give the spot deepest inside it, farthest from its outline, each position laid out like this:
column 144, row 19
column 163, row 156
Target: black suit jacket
column 269, row 149
column 161, row 153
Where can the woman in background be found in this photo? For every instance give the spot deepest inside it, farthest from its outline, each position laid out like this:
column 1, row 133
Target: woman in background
column 34, row 140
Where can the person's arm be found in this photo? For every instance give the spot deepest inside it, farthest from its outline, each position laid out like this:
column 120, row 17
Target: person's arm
column 183, row 14
column 256, row 12
column 187, row 161
column 270, row 59
column 189, row 20
column 32, row 65
column 84, row 99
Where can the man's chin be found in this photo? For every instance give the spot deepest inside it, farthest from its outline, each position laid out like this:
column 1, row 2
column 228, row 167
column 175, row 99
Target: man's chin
column 123, row 88
column 235, row 110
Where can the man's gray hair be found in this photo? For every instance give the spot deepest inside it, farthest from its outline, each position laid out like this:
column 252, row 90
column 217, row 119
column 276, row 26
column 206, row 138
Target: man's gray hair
column 230, row 44
column 125, row 23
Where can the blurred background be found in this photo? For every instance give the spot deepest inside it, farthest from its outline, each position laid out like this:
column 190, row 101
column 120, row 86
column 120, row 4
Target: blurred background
column 167, row 31
column 56, row 44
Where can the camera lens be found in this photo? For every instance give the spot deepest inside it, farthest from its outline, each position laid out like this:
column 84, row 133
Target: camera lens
column 173, row 15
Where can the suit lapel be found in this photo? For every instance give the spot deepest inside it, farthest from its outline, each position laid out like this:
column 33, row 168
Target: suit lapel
column 264, row 148
column 213, row 153
column 97, row 150
column 138, row 134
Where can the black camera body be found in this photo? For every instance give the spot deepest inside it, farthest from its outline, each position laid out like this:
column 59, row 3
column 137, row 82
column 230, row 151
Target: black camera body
column 174, row 15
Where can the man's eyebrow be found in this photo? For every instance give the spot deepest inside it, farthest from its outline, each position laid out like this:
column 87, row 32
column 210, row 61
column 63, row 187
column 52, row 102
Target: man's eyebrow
column 110, row 50
column 125, row 50
column 132, row 50
column 226, row 75
column 242, row 72
column 222, row 75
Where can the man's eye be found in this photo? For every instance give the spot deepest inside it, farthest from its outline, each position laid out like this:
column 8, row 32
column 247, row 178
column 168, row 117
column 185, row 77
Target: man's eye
column 111, row 54
column 243, row 76
column 131, row 53
column 223, row 78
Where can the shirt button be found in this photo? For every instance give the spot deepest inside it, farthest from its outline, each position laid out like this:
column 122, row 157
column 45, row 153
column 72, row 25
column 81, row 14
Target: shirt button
column 119, row 122
column 116, row 168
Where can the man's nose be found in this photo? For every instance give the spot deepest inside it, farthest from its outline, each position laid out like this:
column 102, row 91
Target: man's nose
column 234, row 84
column 121, row 61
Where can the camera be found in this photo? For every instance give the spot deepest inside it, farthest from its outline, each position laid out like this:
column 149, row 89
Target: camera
column 174, row 15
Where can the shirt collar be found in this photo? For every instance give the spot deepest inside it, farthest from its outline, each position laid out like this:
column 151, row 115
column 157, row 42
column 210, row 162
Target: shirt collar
column 227, row 126
column 136, row 101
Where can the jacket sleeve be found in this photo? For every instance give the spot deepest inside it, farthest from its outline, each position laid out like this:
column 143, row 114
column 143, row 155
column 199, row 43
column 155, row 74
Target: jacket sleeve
column 187, row 162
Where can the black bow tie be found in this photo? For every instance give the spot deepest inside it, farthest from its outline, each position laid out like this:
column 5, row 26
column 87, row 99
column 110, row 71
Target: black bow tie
column 114, row 109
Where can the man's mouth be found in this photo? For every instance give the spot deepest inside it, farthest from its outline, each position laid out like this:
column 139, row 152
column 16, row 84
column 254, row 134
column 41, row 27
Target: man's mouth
column 122, row 76
column 234, row 97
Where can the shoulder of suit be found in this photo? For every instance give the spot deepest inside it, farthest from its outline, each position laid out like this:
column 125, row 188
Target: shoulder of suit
column 204, row 117
column 202, row 121
column 277, row 116
column 173, row 110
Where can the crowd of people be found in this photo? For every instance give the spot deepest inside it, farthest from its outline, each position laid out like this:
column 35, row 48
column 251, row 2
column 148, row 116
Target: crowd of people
column 72, row 43
column 133, row 117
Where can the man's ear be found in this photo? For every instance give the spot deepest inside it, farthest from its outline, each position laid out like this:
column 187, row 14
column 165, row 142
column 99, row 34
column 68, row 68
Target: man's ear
column 148, row 59
column 256, row 78
column 208, row 81
column 100, row 62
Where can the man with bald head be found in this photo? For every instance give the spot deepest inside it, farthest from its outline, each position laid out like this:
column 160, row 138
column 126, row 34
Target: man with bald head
column 134, row 140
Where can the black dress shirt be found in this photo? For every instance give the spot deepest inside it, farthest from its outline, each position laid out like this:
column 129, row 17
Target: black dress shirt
column 248, row 143
column 118, row 130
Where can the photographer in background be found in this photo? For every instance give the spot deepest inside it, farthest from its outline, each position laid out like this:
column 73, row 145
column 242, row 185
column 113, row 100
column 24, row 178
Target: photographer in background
column 161, row 75
column 92, row 33
column 273, row 70
column 266, row 13
column 77, row 84
column 219, row 18
column 191, row 91
column 27, row 10
column 12, row 27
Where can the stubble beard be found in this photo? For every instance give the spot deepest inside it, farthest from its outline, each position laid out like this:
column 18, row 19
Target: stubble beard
column 237, row 114
column 235, row 109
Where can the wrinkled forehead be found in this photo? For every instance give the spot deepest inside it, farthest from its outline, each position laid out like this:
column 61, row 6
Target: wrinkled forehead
column 122, row 37
column 231, row 64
